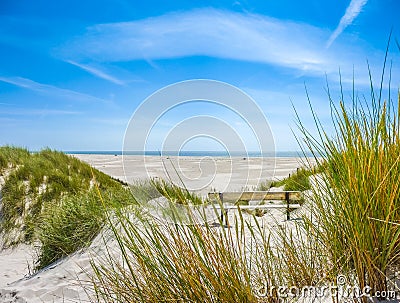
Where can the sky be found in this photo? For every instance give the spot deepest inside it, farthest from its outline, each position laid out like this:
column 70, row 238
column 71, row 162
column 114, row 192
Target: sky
column 73, row 73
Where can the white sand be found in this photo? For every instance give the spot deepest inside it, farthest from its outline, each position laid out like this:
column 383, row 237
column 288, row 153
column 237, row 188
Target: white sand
column 61, row 282
column 199, row 174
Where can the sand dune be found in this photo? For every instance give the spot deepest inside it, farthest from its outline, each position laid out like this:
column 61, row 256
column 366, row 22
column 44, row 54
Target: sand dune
column 67, row 280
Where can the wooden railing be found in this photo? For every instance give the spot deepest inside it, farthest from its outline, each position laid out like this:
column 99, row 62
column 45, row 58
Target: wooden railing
column 233, row 197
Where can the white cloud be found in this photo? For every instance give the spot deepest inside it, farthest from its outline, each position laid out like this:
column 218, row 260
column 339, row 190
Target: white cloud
column 295, row 46
column 352, row 11
column 51, row 90
column 97, row 72
column 37, row 112
column 206, row 32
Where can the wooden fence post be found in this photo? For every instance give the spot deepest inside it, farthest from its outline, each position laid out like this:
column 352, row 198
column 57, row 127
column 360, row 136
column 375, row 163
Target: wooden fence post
column 221, row 198
column 287, row 205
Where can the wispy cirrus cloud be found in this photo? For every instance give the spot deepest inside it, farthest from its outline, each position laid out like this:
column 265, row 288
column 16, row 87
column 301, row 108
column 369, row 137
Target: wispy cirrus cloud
column 220, row 34
column 207, row 32
column 60, row 93
column 97, row 72
column 353, row 10
column 37, row 112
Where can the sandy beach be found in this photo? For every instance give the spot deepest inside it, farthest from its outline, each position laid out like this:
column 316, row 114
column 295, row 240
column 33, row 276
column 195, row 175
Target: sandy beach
column 61, row 282
column 203, row 175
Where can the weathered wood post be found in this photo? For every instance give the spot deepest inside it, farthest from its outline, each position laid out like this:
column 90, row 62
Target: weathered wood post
column 223, row 211
column 287, row 197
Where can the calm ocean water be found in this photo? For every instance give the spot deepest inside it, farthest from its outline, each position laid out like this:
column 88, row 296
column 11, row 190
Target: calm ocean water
column 288, row 154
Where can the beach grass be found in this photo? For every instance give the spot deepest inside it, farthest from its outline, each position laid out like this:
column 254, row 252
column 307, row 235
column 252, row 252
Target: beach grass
column 357, row 197
column 175, row 193
column 49, row 198
column 296, row 181
column 203, row 262
column 76, row 221
column 37, row 181
column 200, row 262
column 174, row 263
column 11, row 156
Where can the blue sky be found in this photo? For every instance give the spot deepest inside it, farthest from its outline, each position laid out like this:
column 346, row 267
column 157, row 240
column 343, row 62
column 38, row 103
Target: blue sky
column 72, row 73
